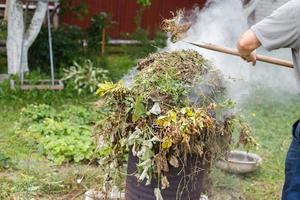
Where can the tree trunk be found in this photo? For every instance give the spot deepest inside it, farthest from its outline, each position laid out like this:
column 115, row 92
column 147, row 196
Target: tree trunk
column 17, row 37
column 15, row 30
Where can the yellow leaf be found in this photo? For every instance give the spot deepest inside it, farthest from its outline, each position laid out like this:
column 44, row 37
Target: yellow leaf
column 172, row 115
column 190, row 113
column 163, row 121
column 167, row 143
column 187, row 111
column 159, row 121
column 105, row 88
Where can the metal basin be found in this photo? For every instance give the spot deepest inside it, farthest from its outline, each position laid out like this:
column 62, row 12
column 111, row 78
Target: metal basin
column 239, row 162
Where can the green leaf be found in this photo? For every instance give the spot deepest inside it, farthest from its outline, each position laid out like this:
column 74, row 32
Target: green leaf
column 139, row 109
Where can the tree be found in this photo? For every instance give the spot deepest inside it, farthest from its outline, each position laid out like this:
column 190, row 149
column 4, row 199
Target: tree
column 19, row 39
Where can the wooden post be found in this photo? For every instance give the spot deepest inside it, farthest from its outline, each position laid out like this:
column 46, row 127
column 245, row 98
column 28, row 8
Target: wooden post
column 55, row 16
column 103, row 42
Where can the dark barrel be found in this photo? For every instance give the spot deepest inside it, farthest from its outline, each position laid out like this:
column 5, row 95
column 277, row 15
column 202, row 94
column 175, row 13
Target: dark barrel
column 185, row 183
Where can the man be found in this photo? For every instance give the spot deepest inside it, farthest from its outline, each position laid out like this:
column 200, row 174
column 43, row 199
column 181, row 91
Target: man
column 280, row 30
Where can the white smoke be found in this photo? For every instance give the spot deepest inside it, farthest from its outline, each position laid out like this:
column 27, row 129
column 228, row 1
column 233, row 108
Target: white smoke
column 221, row 22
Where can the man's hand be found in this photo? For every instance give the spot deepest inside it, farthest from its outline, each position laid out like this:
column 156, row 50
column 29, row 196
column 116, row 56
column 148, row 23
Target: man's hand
column 247, row 45
column 251, row 58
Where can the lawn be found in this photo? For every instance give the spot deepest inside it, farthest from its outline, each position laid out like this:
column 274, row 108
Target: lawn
column 271, row 117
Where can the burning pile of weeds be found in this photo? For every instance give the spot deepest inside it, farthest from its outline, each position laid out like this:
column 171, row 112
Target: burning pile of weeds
column 156, row 120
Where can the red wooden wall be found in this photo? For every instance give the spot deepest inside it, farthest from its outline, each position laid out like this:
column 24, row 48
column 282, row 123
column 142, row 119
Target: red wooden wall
column 124, row 11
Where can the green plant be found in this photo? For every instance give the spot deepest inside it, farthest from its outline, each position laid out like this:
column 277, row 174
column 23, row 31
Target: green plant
column 85, row 77
column 78, row 114
column 37, row 113
column 64, row 141
column 67, row 46
column 99, row 22
column 62, row 136
column 144, row 3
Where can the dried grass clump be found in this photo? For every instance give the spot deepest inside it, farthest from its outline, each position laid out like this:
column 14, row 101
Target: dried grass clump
column 175, row 26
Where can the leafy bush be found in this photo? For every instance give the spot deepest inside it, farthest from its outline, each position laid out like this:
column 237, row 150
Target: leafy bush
column 67, row 46
column 64, row 141
column 98, row 23
column 62, row 136
column 85, row 77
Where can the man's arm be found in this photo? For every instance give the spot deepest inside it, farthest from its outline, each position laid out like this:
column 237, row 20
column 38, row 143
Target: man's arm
column 247, row 45
column 279, row 30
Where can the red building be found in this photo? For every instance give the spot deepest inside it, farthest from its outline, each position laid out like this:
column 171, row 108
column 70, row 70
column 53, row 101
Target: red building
column 123, row 13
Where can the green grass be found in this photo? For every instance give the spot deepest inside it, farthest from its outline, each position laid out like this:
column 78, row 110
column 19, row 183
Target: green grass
column 271, row 117
column 118, row 65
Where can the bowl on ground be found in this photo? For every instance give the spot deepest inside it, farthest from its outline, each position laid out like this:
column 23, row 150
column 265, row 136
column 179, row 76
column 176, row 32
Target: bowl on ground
column 239, row 162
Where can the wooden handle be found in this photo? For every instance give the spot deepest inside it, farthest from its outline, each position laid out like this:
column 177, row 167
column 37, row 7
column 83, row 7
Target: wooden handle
column 262, row 58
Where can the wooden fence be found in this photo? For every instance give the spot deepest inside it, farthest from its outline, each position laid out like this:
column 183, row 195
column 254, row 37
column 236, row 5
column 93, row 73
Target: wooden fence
column 124, row 11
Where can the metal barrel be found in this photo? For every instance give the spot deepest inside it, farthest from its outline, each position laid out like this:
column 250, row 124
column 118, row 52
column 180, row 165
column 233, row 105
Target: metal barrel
column 186, row 183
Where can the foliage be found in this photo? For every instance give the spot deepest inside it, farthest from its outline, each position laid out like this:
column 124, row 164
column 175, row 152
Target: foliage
column 157, row 121
column 38, row 113
column 144, row 3
column 67, row 46
column 63, row 136
column 99, row 22
column 64, row 141
column 85, row 77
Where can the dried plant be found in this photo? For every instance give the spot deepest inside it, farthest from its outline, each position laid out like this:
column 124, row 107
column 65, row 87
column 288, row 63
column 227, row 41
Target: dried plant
column 176, row 26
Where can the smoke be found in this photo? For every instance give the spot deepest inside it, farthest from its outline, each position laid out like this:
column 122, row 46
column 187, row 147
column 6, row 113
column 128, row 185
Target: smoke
column 221, row 22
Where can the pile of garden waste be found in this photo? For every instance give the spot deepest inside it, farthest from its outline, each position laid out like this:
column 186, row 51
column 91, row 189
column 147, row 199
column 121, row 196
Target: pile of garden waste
column 173, row 109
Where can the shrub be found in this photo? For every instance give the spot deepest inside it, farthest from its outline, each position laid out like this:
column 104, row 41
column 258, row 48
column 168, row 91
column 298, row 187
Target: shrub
column 85, row 77
column 67, row 46
column 98, row 23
